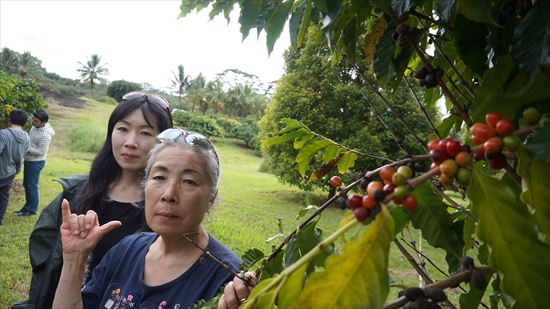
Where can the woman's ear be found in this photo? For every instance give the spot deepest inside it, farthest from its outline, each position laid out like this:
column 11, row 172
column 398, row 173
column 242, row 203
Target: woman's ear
column 212, row 199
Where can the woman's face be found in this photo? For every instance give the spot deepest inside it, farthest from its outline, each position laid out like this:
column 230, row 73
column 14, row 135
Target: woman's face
column 132, row 138
column 177, row 192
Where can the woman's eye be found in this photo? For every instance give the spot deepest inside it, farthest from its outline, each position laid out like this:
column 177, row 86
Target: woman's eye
column 122, row 129
column 189, row 181
column 146, row 133
column 158, row 177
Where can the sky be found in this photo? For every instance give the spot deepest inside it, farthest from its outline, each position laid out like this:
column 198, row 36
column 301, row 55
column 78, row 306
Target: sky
column 139, row 41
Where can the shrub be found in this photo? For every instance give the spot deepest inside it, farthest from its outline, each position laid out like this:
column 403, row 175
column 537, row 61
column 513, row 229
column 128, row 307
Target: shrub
column 16, row 92
column 119, row 88
column 203, row 124
column 86, row 138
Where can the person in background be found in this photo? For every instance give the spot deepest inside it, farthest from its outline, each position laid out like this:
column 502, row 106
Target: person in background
column 14, row 142
column 41, row 135
column 166, row 268
column 112, row 190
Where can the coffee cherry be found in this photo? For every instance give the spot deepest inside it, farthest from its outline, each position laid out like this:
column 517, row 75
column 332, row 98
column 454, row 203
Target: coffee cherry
column 466, row 262
column 476, row 140
column 379, row 195
column 463, row 159
column 354, row 201
column 438, row 156
column 368, row 201
column 414, row 293
column 434, row 144
column 361, row 213
column 436, row 294
column 342, row 204
column 504, row 127
column 453, row 147
column 492, row 118
column 463, row 175
column 479, row 154
column 409, row 203
column 335, row 181
column 398, row 179
column 448, row 167
column 397, row 201
column 401, row 192
column 430, row 79
column 438, row 72
column 511, row 142
column 388, row 188
column 435, row 165
column 498, row 161
column 373, row 186
column 420, row 74
column 386, row 173
column 494, row 144
column 445, row 179
column 531, row 115
column 406, row 171
column 481, row 131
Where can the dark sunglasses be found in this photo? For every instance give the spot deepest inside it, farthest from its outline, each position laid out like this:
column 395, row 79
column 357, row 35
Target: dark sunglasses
column 151, row 98
column 189, row 137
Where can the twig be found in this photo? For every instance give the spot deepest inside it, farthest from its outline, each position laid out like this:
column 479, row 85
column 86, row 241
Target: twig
column 452, row 281
column 228, row 268
column 423, row 109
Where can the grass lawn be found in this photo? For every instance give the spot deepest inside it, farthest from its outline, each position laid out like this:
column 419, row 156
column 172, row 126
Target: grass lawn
column 249, row 204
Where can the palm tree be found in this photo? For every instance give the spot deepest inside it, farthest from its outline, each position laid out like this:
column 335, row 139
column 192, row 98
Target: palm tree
column 92, row 70
column 180, row 81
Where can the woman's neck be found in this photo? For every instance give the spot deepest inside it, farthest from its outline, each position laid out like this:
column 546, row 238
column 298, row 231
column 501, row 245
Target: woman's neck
column 176, row 244
column 126, row 188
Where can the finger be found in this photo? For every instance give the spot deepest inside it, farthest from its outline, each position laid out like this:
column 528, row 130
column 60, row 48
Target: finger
column 230, row 296
column 221, row 303
column 107, row 227
column 82, row 225
column 90, row 219
column 65, row 211
column 252, row 277
column 73, row 223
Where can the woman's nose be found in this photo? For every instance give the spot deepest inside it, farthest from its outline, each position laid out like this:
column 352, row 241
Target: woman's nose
column 170, row 192
column 131, row 142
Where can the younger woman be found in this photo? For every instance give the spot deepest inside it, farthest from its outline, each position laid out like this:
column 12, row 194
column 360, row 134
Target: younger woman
column 112, row 190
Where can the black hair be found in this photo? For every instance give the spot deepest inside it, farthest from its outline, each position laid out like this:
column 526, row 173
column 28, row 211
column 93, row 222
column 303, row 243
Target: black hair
column 18, row 117
column 105, row 170
column 41, row 115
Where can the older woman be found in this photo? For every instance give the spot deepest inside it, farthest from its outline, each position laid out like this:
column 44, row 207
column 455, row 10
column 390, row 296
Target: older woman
column 162, row 269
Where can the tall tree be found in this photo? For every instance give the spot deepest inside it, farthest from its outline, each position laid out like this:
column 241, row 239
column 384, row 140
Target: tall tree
column 180, row 81
column 92, row 70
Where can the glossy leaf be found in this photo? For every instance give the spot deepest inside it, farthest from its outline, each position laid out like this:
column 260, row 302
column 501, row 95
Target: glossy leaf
column 346, row 162
column 295, row 21
column 515, row 250
column 304, row 25
column 292, row 287
column 401, row 7
column 275, row 24
column 384, row 68
column 532, row 38
column 331, row 152
column 306, row 154
column 536, row 190
column 537, row 144
column 470, row 41
column 262, row 295
column 372, row 38
column 432, row 218
column 479, row 11
column 400, row 218
column 471, row 299
column 304, row 240
column 444, row 9
column 250, row 11
column 359, row 276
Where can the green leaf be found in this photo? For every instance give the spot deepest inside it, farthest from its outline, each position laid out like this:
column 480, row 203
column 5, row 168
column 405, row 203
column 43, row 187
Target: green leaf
column 331, row 152
column 536, row 190
column 537, row 144
column 515, row 251
column 302, row 140
column 471, row 299
column 304, row 211
column 400, row 218
column 283, row 138
column 292, row 287
column 470, row 41
column 532, row 38
column 401, row 7
column 306, row 21
column 432, row 218
column 350, row 38
column 346, row 162
column 261, row 296
column 250, row 11
column 275, row 24
column 306, row 154
column 357, row 278
column 274, row 266
column 251, row 257
column 302, row 243
column 476, row 10
column 384, row 69
column 444, row 9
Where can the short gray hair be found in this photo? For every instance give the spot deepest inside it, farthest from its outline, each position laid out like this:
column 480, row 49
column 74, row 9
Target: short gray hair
column 212, row 165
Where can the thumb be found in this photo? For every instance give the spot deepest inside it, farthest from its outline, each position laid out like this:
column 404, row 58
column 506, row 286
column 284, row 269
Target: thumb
column 107, row 227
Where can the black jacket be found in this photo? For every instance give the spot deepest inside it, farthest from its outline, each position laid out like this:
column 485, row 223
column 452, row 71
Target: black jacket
column 45, row 250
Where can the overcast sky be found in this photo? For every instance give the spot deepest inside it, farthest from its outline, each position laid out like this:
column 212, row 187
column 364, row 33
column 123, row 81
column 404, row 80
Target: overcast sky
column 140, row 41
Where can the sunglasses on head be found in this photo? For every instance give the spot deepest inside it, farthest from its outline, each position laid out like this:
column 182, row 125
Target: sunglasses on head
column 191, row 138
column 151, row 98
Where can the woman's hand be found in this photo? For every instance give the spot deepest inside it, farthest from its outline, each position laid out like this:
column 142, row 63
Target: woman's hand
column 81, row 233
column 236, row 292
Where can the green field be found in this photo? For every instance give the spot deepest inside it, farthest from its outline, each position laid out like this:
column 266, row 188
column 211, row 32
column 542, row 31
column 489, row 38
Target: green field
column 249, row 205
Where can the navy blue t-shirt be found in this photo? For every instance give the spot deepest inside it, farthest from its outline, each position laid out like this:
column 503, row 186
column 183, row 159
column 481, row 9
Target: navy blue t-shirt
column 117, row 282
